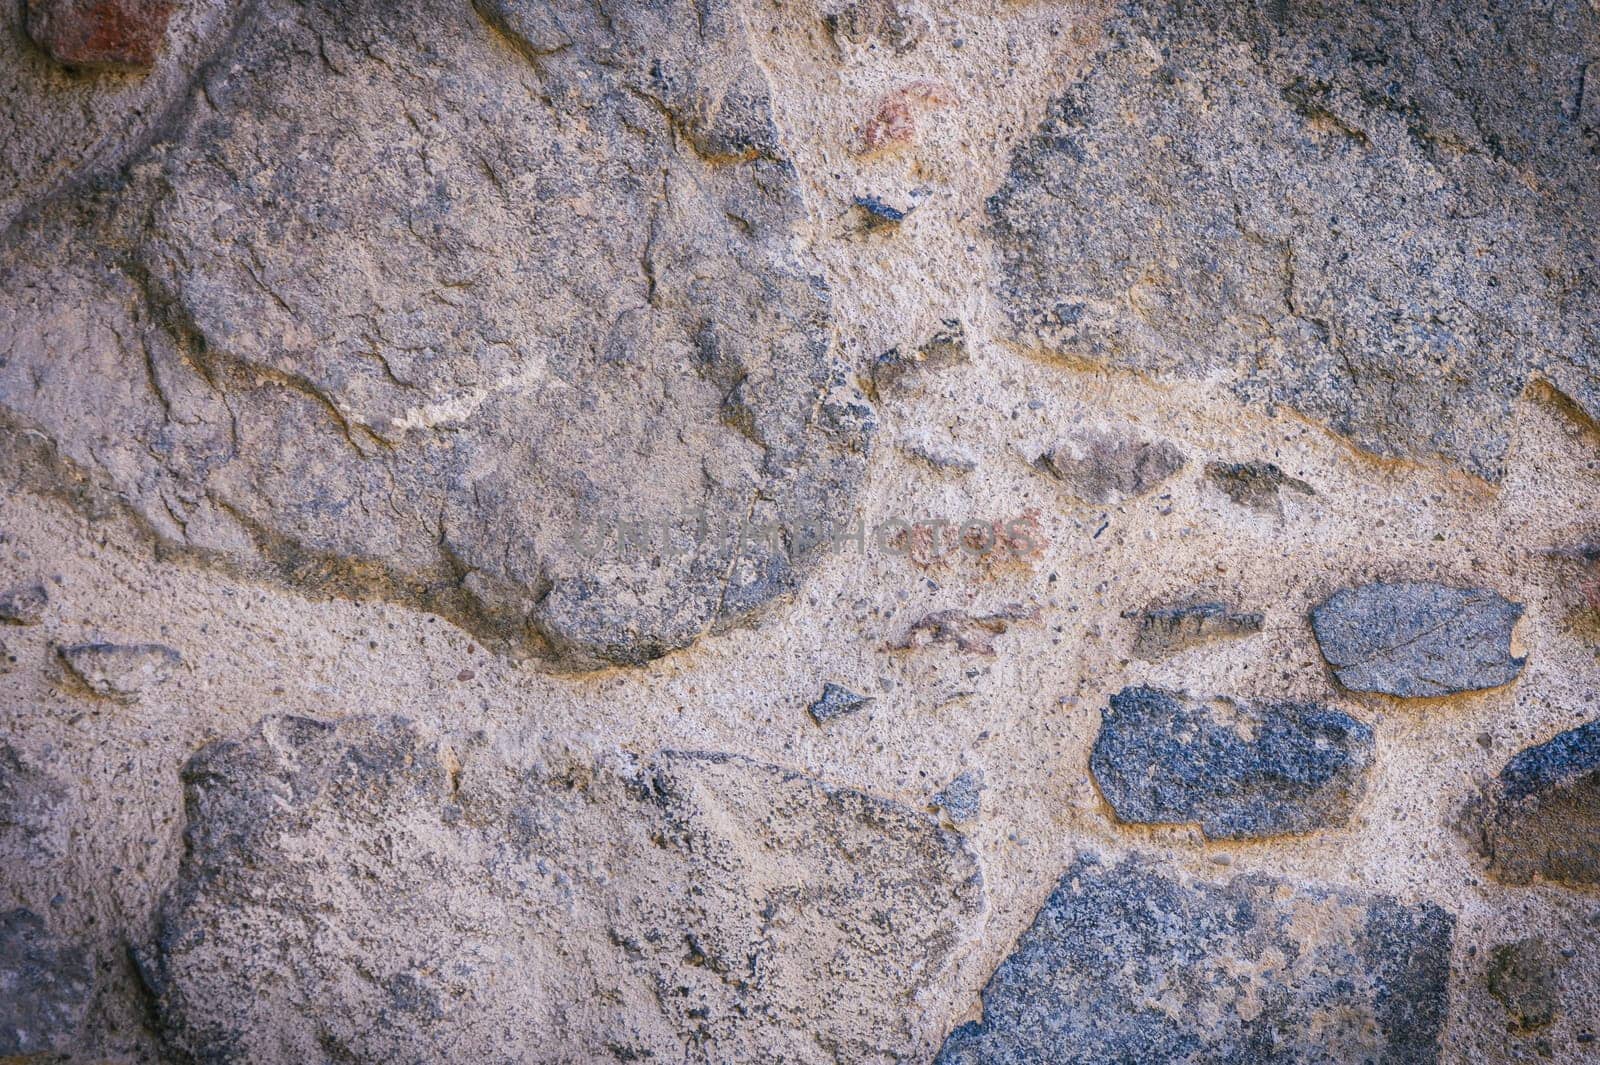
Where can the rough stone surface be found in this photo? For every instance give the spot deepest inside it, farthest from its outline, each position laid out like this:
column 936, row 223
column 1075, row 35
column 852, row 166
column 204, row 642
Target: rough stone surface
column 45, row 984
column 836, row 700
column 100, row 34
column 426, row 357
column 1241, row 771
column 1541, row 817
column 1415, row 639
column 24, row 604
column 121, row 671
column 1131, row 963
column 1316, row 203
column 60, row 125
column 1162, row 631
column 35, row 826
column 1257, row 485
column 407, row 897
column 1108, row 466
column 1523, row 977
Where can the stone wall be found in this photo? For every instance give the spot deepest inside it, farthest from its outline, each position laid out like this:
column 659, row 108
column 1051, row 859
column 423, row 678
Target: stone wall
column 799, row 531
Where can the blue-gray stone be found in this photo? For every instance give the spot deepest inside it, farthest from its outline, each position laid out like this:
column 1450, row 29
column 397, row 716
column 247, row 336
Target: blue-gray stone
column 45, row 985
column 1132, row 965
column 1416, row 639
column 1241, row 771
column 1541, row 818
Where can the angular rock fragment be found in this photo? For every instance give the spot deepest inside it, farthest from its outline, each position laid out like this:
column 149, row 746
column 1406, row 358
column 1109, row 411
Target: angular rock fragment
column 973, row 633
column 1106, row 466
column 1129, row 963
column 895, row 369
column 1523, row 977
column 45, row 984
column 1381, row 238
column 24, row 605
column 440, row 358
column 836, row 701
column 121, row 671
column 1161, row 631
column 961, row 799
column 1255, row 484
column 100, row 34
column 8, row 658
column 1541, row 817
column 368, row 892
column 1416, row 639
column 1239, row 771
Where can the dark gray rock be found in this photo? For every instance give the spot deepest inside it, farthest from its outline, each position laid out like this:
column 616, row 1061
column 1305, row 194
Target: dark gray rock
column 961, row 800
column 45, row 984
column 1416, row 639
column 121, row 671
column 1129, row 963
column 1161, row 631
column 1383, row 215
column 895, row 370
column 8, row 658
column 370, row 892
column 836, row 701
column 1523, row 977
column 1109, row 466
column 1240, row 771
column 1255, row 484
column 24, row 605
column 1541, row 817
column 426, row 357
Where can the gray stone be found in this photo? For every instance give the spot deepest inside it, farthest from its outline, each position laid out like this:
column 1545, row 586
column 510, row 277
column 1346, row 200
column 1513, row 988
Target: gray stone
column 896, row 23
column 836, row 701
column 1541, row 816
column 1238, row 770
column 8, row 658
column 45, row 984
column 426, row 357
column 1129, row 963
column 1523, row 977
column 1255, row 484
column 895, row 370
column 1161, row 631
column 1108, row 466
column 24, row 604
column 1416, row 639
column 367, row 891
column 121, row 671
column 1379, row 214
column 961, row 800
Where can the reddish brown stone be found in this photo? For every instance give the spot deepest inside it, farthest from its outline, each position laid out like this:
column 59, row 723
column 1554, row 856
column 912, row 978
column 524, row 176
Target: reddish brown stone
column 100, row 34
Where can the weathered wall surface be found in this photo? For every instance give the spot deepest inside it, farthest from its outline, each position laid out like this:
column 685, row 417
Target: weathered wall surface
column 434, row 624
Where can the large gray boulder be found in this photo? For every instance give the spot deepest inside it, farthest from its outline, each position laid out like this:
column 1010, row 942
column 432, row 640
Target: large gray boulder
column 1382, row 215
column 1130, row 963
column 492, row 311
column 368, row 892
